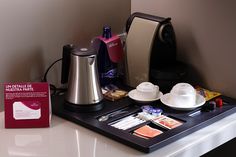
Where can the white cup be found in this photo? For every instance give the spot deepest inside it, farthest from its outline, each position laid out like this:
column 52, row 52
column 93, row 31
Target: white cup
column 183, row 94
column 147, row 90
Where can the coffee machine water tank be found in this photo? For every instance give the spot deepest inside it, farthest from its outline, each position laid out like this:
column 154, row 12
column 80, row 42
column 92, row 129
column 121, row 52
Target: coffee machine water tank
column 150, row 45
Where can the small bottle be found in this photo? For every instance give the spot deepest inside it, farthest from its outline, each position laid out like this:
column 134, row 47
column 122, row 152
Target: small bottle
column 106, row 68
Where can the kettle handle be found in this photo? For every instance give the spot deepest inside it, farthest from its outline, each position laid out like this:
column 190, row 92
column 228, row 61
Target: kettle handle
column 66, row 62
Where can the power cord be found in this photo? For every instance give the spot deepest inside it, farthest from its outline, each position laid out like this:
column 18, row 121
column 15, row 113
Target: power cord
column 54, row 90
column 46, row 73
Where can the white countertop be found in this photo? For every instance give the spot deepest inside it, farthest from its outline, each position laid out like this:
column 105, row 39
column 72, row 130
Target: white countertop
column 66, row 139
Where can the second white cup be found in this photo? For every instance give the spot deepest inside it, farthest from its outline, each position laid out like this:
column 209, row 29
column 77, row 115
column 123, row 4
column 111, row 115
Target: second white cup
column 147, row 90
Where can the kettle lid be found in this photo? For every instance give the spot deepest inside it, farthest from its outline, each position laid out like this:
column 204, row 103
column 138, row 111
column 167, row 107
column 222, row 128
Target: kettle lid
column 84, row 51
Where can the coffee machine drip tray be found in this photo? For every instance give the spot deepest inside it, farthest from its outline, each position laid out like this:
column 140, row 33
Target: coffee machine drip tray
column 126, row 121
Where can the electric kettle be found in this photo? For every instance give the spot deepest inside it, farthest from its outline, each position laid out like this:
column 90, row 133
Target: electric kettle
column 79, row 69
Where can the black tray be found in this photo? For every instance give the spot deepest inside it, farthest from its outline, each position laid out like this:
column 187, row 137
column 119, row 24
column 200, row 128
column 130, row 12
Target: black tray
column 191, row 122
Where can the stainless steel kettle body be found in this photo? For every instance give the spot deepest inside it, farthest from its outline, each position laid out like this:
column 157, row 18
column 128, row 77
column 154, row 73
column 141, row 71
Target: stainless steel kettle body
column 83, row 82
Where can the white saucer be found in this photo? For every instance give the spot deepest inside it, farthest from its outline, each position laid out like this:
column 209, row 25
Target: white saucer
column 132, row 95
column 200, row 100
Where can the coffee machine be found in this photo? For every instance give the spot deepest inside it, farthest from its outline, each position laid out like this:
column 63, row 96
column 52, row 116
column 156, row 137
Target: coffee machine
column 151, row 51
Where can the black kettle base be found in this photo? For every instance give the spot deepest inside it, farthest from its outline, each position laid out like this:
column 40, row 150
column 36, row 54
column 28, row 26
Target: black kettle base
column 83, row 107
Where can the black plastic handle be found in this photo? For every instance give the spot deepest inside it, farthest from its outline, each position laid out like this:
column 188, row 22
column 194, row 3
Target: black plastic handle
column 67, row 49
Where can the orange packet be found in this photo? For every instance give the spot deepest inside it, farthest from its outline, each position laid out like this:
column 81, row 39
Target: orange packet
column 147, row 131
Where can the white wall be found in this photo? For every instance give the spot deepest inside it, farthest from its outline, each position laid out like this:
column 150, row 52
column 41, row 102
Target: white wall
column 206, row 37
column 32, row 32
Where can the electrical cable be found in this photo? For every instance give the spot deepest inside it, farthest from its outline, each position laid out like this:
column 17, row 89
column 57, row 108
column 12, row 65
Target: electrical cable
column 46, row 73
column 53, row 88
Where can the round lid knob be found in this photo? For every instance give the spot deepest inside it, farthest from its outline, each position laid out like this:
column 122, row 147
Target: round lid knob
column 84, row 51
